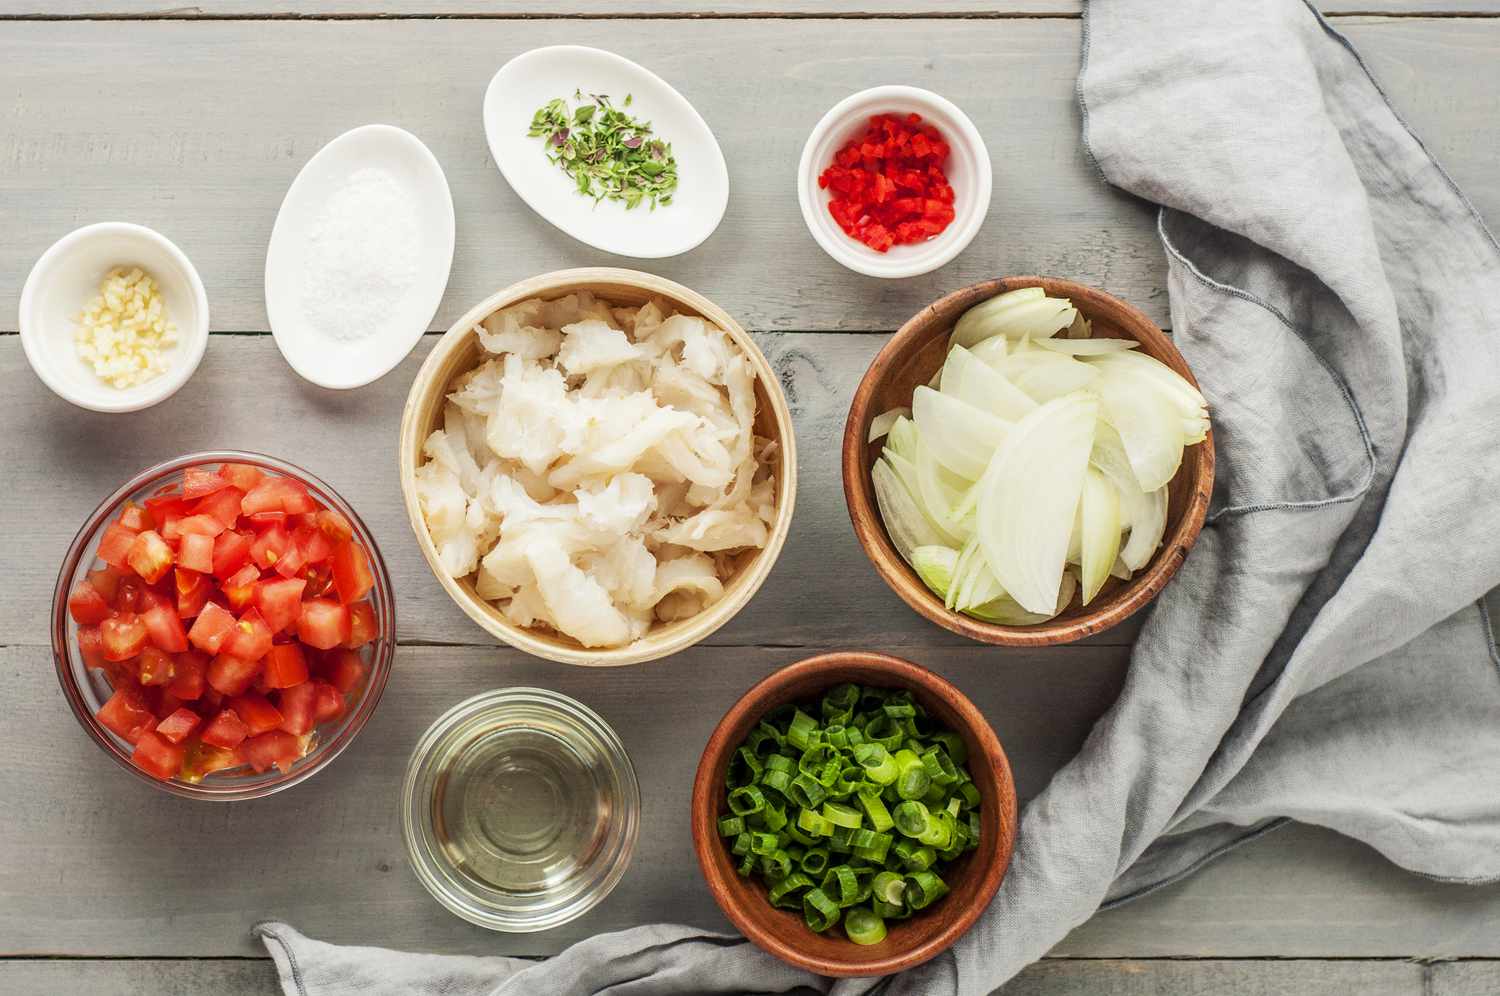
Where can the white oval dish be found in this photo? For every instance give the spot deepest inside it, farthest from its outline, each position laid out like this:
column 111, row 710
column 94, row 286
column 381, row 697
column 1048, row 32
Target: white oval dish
column 968, row 170
column 313, row 353
column 66, row 278
column 533, row 78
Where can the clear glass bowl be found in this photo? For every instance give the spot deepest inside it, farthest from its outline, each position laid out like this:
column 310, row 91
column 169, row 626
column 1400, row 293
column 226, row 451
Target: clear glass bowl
column 87, row 690
column 520, row 809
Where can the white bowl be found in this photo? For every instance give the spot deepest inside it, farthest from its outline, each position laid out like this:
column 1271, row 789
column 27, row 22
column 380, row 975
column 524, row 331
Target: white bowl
column 968, row 170
column 66, row 279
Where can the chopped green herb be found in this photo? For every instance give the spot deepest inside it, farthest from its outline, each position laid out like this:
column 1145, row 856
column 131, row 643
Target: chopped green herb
column 609, row 154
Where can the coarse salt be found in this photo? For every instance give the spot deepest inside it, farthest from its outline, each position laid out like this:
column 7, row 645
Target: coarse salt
column 364, row 250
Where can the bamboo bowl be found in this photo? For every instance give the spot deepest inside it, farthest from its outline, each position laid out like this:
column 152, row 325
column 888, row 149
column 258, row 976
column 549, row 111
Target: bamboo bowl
column 973, row 878
column 912, row 357
column 459, row 351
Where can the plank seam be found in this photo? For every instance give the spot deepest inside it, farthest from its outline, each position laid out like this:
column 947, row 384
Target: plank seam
column 972, row 15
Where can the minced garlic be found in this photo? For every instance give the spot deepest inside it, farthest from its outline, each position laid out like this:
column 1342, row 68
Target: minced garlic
column 124, row 333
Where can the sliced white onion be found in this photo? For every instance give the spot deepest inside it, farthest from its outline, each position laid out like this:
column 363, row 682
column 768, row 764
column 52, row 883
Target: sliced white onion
column 1005, row 611
column 881, row 424
column 940, row 494
column 975, row 324
column 1087, row 347
column 935, row 565
column 1016, row 315
column 971, row 380
column 1031, row 492
column 906, row 524
column 1044, row 375
column 1099, row 515
column 962, row 437
column 1146, row 531
column 1149, row 429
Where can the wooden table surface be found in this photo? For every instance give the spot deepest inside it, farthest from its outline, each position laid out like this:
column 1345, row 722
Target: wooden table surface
column 194, row 119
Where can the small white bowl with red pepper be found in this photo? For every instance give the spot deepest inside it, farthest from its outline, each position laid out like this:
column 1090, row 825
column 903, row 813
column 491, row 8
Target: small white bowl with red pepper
column 894, row 181
column 223, row 625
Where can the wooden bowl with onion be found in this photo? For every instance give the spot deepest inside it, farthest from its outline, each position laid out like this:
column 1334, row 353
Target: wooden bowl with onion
column 459, row 351
column 911, row 358
column 973, row 878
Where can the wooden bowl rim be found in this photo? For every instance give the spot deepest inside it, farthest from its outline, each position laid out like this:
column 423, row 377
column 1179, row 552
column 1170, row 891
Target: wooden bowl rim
column 653, row 645
column 898, row 575
column 880, row 668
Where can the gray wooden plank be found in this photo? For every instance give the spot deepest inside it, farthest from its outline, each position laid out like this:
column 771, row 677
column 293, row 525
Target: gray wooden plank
column 62, row 461
column 139, row 977
column 1110, row 977
column 1463, row 978
column 640, row 8
column 97, row 864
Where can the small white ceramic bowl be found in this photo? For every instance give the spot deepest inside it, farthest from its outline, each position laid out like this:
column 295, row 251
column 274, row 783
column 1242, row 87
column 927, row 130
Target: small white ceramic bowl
column 968, row 170
column 67, row 278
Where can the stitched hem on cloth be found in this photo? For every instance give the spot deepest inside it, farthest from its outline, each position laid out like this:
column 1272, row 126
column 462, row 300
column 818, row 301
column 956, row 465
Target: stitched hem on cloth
column 282, row 954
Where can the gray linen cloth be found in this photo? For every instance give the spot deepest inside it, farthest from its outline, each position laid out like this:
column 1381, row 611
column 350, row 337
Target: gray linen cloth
column 1324, row 655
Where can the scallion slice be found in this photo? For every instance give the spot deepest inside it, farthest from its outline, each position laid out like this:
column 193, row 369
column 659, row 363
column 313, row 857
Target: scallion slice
column 863, row 926
column 818, row 911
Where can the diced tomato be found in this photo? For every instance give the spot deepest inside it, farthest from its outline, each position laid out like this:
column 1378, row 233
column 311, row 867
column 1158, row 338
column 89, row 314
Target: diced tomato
column 193, row 590
column 171, row 528
column 290, row 563
column 295, row 500
column 178, row 726
column 157, row 756
column 312, row 543
column 211, row 700
column 348, row 671
column 212, row 628
column 164, row 505
column 319, row 581
column 230, row 675
column 114, row 545
column 204, row 759
column 298, row 705
column 257, row 713
column 324, row 623
column 225, row 730
column 155, row 667
column 278, row 494
column 231, row 550
column 151, row 598
column 222, row 505
column 201, row 525
column 260, row 520
column 351, row 572
column 135, row 518
column 329, row 703
column 189, row 671
column 334, row 525
column 277, row 748
column 362, row 625
column 91, row 648
column 251, row 637
column 128, row 594
column 280, row 601
column 286, row 666
column 166, row 703
column 164, row 628
column 125, row 714
column 269, row 547
column 149, row 556
column 106, row 581
column 123, row 636
column 241, row 475
column 239, row 589
column 197, row 552
column 86, row 605
column 200, row 481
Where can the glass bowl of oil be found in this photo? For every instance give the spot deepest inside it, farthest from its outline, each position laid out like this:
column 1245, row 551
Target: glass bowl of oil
column 521, row 809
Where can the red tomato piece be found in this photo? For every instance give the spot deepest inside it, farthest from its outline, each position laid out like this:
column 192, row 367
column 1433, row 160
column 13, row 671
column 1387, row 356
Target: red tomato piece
column 230, row 675
column 179, row 725
column 257, row 713
column 115, row 545
column 106, row 581
column 222, row 505
column 198, row 482
column 193, row 590
column 164, row 628
column 125, row 714
column 128, row 595
column 351, row 572
column 269, row 547
column 329, row 703
column 261, row 520
column 231, row 550
column 334, row 525
column 157, row 756
column 91, row 648
column 197, row 552
column 241, row 475
column 122, row 636
column 324, row 624
column 298, row 705
column 362, row 625
column 280, row 601
column 189, row 674
column 155, row 667
column 163, row 505
column 348, row 672
column 201, row 524
column 149, row 556
column 86, row 605
column 279, row 494
column 286, row 666
column 135, row 518
column 312, row 543
column 319, row 581
column 240, row 587
column 225, row 730
column 277, row 748
column 212, row 628
column 251, row 638
column 204, row 759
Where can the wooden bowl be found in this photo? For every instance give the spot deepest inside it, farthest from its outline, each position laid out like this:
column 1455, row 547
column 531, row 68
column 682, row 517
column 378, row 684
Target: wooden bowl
column 459, row 351
column 912, row 357
column 973, row 878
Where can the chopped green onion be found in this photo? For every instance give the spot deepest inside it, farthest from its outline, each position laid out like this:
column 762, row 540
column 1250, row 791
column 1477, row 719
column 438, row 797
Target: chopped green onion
column 940, row 767
column 878, row 764
column 878, row 846
column 731, row 826
column 912, row 818
column 813, row 824
column 880, row 817
column 912, row 780
column 793, row 883
column 746, row 800
column 806, row 791
column 889, row 887
column 840, row 884
column 922, row 888
column 815, row 861
column 864, row 927
column 954, row 745
column 841, row 815
column 818, row 911
column 801, row 730
column 763, row 843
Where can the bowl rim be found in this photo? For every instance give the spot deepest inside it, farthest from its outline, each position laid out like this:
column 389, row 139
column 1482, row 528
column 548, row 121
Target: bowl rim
column 930, row 255
column 194, row 340
column 882, row 667
column 645, row 649
column 897, row 574
column 382, row 654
